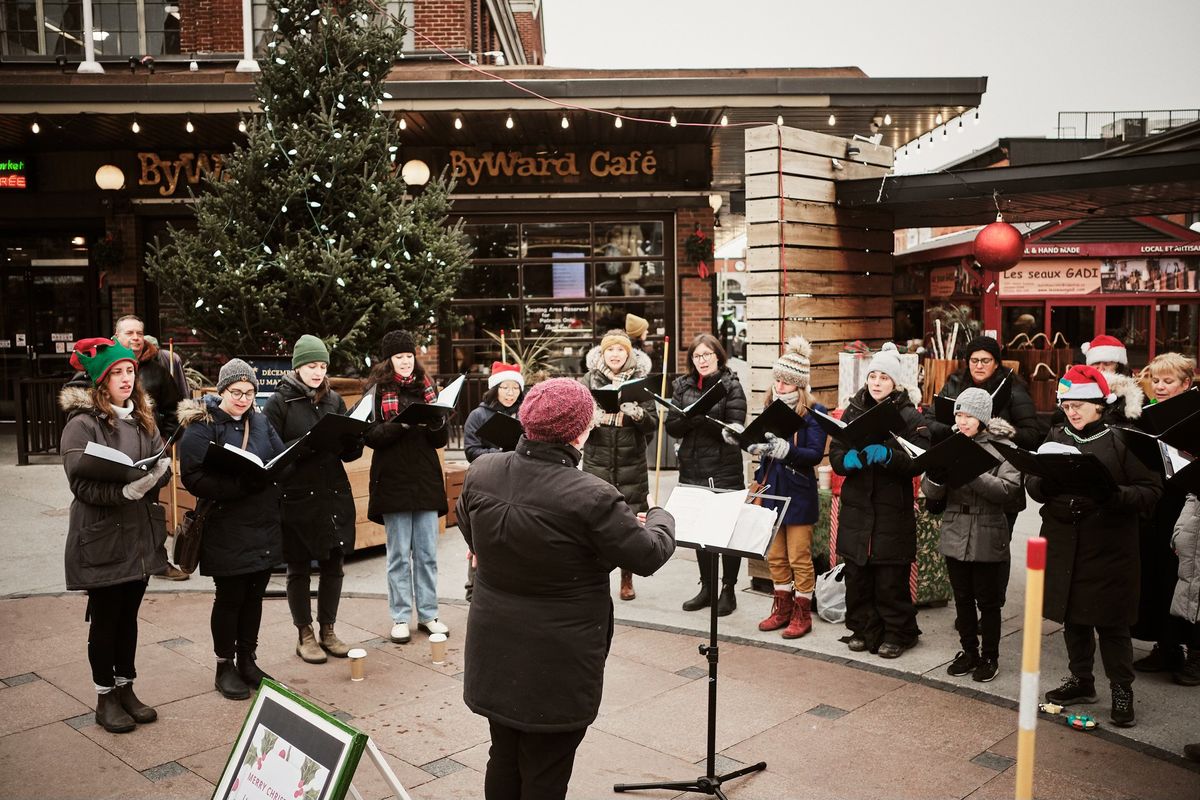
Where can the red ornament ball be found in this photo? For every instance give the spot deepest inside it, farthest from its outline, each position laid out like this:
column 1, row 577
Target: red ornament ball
column 999, row 246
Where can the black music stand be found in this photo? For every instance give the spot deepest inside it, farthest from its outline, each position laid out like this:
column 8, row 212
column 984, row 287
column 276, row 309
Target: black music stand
column 710, row 782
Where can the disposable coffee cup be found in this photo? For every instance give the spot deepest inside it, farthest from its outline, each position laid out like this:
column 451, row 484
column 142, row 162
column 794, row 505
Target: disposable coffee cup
column 357, row 667
column 437, row 647
column 823, row 477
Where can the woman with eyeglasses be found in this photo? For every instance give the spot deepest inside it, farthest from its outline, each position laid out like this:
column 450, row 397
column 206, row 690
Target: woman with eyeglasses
column 984, row 371
column 242, row 537
column 1092, row 546
column 705, row 454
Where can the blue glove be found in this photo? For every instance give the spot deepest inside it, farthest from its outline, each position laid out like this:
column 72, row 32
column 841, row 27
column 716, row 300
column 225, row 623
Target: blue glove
column 851, row 461
column 877, row 454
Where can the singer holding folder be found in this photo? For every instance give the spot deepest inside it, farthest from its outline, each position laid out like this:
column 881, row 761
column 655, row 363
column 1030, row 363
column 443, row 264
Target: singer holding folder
column 116, row 532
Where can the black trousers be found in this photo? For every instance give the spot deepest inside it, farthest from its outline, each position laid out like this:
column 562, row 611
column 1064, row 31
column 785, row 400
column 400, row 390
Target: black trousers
column 879, row 606
column 978, row 585
column 237, row 612
column 529, row 766
column 329, row 589
column 112, row 637
column 730, row 567
column 1116, row 651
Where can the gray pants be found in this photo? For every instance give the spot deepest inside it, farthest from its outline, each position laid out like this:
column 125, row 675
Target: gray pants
column 329, row 590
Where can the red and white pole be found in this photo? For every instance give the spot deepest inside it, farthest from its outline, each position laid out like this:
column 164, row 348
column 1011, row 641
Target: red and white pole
column 1031, row 656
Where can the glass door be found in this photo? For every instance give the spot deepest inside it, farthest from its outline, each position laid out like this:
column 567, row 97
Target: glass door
column 1076, row 323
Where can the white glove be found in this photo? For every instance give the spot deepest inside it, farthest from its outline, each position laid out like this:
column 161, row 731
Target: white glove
column 633, row 411
column 728, row 435
column 136, row 490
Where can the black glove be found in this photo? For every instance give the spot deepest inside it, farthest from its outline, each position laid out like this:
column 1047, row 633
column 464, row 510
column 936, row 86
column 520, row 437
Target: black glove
column 938, row 475
column 1079, row 505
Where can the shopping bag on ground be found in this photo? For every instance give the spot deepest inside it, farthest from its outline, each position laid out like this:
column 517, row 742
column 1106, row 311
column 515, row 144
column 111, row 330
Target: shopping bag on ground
column 830, row 595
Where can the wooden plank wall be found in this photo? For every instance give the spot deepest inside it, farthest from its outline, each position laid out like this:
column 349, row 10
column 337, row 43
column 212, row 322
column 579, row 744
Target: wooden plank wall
column 824, row 271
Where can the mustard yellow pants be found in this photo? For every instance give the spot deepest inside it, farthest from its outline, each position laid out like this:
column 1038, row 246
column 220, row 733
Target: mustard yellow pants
column 790, row 558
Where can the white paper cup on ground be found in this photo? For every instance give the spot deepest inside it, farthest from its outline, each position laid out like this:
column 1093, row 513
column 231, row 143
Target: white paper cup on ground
column 437, row 647
column 357, row 668
column 823, row 473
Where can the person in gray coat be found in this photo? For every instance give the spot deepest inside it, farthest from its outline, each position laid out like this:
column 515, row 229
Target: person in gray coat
column 1186, row 601
column 975, row 536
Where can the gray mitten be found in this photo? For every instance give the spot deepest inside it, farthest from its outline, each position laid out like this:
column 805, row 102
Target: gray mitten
column 136, row 490
column 633, row 411
column 779, row 447
column 729, row 436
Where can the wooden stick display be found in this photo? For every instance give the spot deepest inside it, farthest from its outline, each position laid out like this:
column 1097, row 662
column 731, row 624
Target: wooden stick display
column 174, row 462
column 662, row 419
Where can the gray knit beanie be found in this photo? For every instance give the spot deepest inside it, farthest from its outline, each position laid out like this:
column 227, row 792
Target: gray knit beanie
column 887, row 361
column 976, row 403
column 236, row 370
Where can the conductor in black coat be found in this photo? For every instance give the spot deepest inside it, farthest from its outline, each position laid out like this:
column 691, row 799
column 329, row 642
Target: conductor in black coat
column 547, row 536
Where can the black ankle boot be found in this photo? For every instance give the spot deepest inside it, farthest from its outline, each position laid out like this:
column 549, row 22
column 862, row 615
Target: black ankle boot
column 110, row 715
column 248, row 669
column 727, row 602
column 701, row 600
column 229, row 683
column 135, row 708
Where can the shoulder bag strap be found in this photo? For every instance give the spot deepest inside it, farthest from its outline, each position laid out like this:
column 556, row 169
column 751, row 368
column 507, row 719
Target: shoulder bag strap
column 246, row 433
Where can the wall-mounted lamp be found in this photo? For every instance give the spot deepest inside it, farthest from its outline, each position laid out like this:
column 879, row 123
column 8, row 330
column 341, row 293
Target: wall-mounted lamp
column 715, row 201
column 110, row 178
column 415, row 172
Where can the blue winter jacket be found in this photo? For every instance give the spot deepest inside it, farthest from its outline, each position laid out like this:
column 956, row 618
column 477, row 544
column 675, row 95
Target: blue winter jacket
column 794, row 476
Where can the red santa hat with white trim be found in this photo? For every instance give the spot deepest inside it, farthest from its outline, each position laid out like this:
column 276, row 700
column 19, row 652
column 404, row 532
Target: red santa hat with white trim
column 502, row 372
column 1085, row 383
column 1105, row 348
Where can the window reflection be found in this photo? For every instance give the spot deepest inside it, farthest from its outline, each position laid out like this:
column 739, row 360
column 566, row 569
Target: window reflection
column 479, row 320
column 495, row 281
column 556, row 240
column 560, row 279
column 494, row 241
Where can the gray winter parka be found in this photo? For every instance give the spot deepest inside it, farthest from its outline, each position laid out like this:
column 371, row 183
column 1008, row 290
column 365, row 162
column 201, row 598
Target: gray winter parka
column 1186, row 541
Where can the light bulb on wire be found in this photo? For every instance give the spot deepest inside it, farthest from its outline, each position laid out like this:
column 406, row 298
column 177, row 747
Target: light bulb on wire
column 457, row 123
column 938, row 119
column 241, row 126
column 190, row 127
column 673, row 121
column 403, row 124
column 617, row 122
column 134, row 126
column 779, row 120
column 724, row 120
column 35, row 127
column 508, row 123
column 566, row 123
column 832, row 120
column 887, row 119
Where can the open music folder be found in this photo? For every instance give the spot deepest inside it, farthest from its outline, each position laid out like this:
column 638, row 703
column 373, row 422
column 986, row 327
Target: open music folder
column 722, row 521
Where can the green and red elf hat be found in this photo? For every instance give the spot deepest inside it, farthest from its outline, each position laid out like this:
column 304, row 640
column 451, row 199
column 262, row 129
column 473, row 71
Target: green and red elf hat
column 97, row 356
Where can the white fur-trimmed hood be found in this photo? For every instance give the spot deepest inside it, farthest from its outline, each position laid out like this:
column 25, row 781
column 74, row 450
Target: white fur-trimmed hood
column 1130, row 398
column 641, row 361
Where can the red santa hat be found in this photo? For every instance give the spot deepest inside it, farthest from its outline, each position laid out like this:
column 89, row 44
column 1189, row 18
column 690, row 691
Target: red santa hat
column 1105, row 348
column 502, row 372
column 1085, row 383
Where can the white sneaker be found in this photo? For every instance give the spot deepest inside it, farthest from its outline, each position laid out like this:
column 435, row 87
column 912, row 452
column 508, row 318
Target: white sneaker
column 400, row 633
column 433, row 626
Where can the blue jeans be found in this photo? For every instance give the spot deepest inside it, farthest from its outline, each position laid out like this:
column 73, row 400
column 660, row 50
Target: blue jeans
column 412, row 557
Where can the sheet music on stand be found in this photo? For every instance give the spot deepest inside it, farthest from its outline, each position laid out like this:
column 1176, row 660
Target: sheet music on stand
column 722, row 521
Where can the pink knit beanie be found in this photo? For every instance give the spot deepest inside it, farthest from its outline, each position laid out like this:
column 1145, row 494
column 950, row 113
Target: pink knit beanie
column 558, row 410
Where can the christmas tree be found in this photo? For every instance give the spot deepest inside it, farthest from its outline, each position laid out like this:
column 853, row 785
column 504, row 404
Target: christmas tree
column 310, row 228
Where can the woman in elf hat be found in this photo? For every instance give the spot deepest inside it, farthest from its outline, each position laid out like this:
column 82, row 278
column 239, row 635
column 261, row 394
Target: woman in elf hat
column 787, row 468
column 116, row 532
column 318, row 505
column 408, row 492
column 1092, row 546
column 616, row 450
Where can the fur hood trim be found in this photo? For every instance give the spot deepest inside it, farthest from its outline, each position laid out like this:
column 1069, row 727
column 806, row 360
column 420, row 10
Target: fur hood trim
column 1129, row 394
column 76, row 400
column 641, row 361
column 189, row 412
column 1000, row 428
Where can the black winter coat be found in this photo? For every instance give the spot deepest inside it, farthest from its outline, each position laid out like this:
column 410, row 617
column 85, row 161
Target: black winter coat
column 1018, row 412
column 547, row 536
column 406, row 474
column 703, row 454
column 110, row 539
column 241, row 527
column 317, row 503
column 616, row 453
column 473, row 444
column 876, row 523
column 1092, row 559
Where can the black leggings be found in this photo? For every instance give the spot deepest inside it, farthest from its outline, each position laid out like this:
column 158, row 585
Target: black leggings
column 112, row 637
column 237, row 612
column 978, row 585
column 329, row 590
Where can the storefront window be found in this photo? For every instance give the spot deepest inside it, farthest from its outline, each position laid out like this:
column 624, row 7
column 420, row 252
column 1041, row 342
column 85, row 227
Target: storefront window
column 494, row 241
column 18, row 18
column 1176, row 328
column 1028, row 320
column 612, row 315
column 1130, row 324
column 560, row 279
column 556, row 240
column 1076, row 323
column 489, row 280
column 478, row 320
column 616, row 239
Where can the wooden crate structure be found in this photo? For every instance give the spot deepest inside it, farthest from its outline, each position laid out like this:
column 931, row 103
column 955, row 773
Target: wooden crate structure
column 816, row 270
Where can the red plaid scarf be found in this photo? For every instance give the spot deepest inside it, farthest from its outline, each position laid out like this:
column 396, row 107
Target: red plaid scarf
column 389, row 400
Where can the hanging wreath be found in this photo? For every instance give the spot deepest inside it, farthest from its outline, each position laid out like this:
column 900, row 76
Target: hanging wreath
column 700, row 251
column 106, row 253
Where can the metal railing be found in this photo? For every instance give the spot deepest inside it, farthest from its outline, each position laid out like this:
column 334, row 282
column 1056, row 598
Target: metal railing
column 1122, row 125
column 40, row 421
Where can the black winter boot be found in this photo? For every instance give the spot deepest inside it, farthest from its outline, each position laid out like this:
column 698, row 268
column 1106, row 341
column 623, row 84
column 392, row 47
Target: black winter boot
column 1073, row 691
column 1162, row 658
column 110, row 715
column 140, row 712
column 701, row 600
column 248, row 669
column 1122, row 706
column 727, row 602
column 1189, row 673
column 229, row 683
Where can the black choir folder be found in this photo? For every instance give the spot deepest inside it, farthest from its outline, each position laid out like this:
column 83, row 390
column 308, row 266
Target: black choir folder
column 703, row 403
column 1159, row 418
column 233, row 459
column 436, row 412
column 723, row 522
column 1071, row 471
column 958, row 456
column 333, row 432
column 609, row 398
column 874, row 426
column 1172, row 454
column 102, row 463
column 502, row 431
column 778, row 418
column 943, row 407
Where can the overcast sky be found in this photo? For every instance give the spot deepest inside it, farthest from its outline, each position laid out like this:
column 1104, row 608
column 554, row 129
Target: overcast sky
column 1040, row 56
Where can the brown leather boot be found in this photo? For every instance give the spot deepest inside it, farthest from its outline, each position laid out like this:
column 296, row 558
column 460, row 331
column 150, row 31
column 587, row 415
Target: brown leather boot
column 331, row 644
column 135, row 708
column 307, row 648
column 801, row 621
column 781, row 611
column 110, row 715
column 627, row 592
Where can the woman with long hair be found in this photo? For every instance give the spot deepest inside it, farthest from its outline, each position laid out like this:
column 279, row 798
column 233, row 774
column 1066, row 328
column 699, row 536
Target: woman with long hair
column 787, row 468
column 117, row 531
column 705, row 454
column 318, row 505
column 408, row 492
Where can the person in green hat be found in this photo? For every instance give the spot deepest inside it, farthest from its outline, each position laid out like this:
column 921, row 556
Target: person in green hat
column 117, row 531
column 318, row 507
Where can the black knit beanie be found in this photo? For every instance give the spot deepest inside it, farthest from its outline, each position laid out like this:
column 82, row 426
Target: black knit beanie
column 985, row 343
column 398, row 342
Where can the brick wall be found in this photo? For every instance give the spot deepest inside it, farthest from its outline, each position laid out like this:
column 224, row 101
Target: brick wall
column 695, row 293
column 529, row 28
column 210, row 26
column 444, row 21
